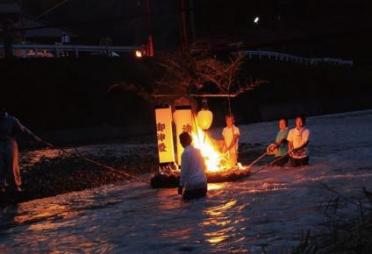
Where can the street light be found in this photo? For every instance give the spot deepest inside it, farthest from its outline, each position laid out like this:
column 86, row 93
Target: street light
column 138, row 53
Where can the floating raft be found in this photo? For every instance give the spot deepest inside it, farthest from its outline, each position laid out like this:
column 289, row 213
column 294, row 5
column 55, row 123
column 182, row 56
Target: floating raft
column 171, row 180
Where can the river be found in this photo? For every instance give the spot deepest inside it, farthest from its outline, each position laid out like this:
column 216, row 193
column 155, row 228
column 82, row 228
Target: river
column 269, row 211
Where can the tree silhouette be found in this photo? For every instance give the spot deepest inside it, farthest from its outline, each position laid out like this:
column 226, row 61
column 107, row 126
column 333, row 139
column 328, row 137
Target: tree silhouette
column 184, row 74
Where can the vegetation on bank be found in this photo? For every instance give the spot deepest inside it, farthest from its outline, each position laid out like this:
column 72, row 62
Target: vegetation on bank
column 342, row 234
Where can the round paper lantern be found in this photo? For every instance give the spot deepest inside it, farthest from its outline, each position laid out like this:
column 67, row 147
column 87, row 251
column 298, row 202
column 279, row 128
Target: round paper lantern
column 205, row 119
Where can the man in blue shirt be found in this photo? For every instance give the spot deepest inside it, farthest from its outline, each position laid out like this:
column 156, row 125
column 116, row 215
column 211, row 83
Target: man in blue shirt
column 193, row 178
column 9, row 155
column 280, row 148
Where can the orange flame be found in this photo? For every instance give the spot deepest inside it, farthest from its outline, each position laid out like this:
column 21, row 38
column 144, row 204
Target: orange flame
column 214, row 159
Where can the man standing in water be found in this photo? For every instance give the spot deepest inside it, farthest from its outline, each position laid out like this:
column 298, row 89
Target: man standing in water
column 193, row 179
column 231, row 135
column 280, row 148
column 9, row 155
column 298, row 140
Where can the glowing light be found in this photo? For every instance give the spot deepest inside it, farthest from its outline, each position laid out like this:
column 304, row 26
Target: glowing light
column 256, row 20
column 205, row 119
column 216, row 186
column 214, row 159
column 139, row 53
column 164, row 133
column 183, row 120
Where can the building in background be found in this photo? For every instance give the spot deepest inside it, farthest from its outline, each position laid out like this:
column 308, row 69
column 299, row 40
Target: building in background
column 19, row 28
column 307, row 28
column 9, row 15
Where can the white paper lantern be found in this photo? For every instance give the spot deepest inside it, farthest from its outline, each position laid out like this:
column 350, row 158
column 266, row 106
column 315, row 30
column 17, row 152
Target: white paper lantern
column 205, row 119
column 183, row 120
column 164, row 133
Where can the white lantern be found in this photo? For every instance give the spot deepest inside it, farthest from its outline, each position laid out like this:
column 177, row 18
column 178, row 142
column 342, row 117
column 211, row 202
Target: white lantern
column 183, row 119
column 164, row 133
column 205, row 119
column 205, row 116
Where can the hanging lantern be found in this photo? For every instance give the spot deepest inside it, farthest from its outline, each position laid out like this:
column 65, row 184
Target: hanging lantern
column 205, row 117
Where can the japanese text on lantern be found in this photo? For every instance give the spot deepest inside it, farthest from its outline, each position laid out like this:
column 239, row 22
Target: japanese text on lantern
column 161, row 137
column 183, row 120
column 164, row 134
column 187, row 128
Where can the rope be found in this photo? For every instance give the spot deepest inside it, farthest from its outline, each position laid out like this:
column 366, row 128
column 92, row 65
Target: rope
column 97, row 163
column 229, row 100
column 268, row 164
column 77, row 154
column 258, row 159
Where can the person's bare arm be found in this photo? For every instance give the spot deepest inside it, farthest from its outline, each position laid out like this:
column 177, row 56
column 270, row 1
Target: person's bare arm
column 234, row 141
column 282, row 141
column 299, row 148
column 290, row 146
column 306, row 136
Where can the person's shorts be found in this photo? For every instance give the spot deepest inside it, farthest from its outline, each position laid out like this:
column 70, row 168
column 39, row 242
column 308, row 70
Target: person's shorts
column 298, row 162
column 195, row 194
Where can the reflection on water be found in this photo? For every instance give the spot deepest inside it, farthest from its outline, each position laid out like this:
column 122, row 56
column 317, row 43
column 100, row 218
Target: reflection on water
column 225, row 222
column 217, row 236
column 26, row 217
column 216, row 186
column 267, row 187
column 244, row 216
column 218, row 217
column 220, row 210
column 264, row 213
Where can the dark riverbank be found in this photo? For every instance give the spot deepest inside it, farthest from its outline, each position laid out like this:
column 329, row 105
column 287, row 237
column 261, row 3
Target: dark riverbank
column 51, row 172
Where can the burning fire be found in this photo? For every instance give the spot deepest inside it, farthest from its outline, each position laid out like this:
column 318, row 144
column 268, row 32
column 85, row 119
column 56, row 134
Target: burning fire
column 214, row 159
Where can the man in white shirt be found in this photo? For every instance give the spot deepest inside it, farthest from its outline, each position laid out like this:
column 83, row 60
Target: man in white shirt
column 193, row 179
column 298, row 140
column 231, row 135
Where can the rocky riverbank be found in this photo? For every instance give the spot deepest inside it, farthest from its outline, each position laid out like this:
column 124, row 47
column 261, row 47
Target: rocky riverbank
column 51, row 172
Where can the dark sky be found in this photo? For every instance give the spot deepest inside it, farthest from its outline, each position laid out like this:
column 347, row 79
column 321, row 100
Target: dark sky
column 314, row 27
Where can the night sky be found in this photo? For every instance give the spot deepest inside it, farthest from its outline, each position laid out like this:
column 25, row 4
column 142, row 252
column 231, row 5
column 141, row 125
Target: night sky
column 315, row 28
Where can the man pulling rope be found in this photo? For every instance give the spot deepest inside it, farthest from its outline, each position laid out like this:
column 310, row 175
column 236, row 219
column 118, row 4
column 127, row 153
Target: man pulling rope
column 9, row 153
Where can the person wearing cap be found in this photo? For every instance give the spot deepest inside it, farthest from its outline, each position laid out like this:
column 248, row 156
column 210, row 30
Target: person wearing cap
column 298, row 141
column 9, row 154
column 193, row 180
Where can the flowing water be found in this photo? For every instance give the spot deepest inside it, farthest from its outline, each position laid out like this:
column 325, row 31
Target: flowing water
column 268, row 211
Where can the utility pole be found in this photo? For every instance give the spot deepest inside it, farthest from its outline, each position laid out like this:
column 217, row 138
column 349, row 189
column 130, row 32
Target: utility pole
column 149, row 40
column 184, row 36
column 192, row 20
column 21, row 21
